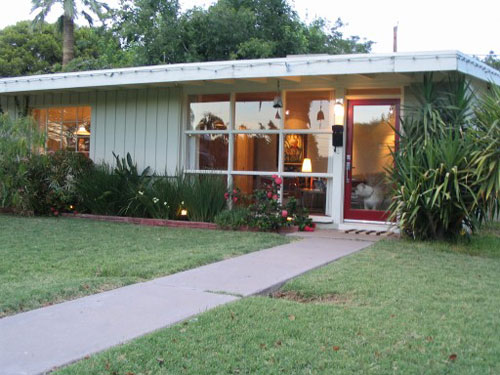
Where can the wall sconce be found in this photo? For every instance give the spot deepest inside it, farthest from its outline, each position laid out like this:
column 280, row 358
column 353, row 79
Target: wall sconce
column 338, row 111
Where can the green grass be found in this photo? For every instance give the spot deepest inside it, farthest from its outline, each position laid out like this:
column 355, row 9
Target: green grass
column 49, row 260
column 398, row 307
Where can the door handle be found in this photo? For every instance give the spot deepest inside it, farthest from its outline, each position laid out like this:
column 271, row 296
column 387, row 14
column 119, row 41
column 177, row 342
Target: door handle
column 347, row 170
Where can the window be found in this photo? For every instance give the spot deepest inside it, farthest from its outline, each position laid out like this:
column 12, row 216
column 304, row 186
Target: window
column 66, row 128
column 244, row 137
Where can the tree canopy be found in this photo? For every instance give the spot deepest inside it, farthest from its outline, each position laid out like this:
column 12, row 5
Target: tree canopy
column 149, row 32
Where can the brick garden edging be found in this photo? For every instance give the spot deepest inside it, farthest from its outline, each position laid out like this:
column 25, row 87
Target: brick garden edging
column 166, row 223
column 144, row 221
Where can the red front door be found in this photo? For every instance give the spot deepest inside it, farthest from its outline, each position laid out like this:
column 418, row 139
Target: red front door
column 371, row 135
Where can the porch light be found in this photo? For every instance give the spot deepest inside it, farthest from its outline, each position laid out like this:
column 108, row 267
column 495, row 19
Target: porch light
column 184, row 212
column 82, row 130
column 338, row 110
column 307, row 165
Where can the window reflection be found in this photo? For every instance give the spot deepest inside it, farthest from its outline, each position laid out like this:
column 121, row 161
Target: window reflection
column 307, row 110
column 298, row 147
column 209, row 112
column 255, row 111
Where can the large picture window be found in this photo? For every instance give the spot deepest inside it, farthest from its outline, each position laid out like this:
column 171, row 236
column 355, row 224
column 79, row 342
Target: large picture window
column 66, row 128
column 244, row 137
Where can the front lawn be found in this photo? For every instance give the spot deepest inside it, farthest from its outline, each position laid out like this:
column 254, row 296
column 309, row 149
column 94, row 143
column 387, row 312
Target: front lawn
column 396, row 308
column 49, row 260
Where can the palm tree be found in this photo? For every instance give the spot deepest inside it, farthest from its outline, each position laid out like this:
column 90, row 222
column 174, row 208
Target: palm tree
column 71, row 10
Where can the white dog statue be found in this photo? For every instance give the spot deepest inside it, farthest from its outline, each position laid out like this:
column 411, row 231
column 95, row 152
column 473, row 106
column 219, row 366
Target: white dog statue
column 373, row 196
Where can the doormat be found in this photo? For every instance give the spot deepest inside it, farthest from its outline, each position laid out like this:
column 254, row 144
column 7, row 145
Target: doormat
column 380, row 233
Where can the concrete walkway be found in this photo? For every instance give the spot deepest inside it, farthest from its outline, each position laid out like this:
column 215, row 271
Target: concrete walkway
column 37, row 341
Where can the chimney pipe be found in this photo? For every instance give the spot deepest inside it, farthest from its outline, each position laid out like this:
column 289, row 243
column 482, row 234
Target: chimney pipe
column 395, row 41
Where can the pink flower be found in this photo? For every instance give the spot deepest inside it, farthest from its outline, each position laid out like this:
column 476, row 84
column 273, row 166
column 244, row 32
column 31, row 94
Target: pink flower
column 226, row 195
column 284, row 213
column 235, row 191
column 235, row 199
column 275, row 197
column 274, row 176
column 56, row 213
column 278, row 180
column 269, row 194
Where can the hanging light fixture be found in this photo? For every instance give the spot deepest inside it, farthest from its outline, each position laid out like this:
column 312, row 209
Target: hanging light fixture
column 320, row 116
column 277, row 102
column 82, row 130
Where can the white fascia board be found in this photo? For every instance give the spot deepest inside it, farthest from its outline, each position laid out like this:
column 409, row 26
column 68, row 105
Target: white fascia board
column 271, row 68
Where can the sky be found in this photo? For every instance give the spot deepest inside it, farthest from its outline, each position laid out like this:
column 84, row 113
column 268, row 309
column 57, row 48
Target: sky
column 424, row 25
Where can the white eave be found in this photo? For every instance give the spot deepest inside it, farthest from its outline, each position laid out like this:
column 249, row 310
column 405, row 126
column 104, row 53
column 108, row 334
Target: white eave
column 307, row 65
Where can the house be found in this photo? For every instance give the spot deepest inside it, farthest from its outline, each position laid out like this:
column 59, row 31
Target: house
column 248, row 120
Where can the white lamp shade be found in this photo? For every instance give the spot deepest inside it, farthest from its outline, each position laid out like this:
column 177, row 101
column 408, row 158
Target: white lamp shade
column 307, row 165
column 82, row 130
column 338, row 110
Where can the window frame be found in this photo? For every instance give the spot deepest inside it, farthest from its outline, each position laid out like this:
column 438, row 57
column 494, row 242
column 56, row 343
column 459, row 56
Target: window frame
column 231, row 132
column 61, row 122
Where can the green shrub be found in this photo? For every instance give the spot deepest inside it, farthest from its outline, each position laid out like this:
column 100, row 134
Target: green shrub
column 51, row 181
column 445, row 166
column 233, row 219
column 18, row 138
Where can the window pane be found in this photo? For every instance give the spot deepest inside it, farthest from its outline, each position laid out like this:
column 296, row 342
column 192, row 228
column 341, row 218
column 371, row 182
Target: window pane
column 255, row 111
column 69, row 136
column 247, row 184
column 69, row 114
column 298, row 147
column 54, row 129
column 256, row 152
column 209, row 112
column 307, row 110
column 209, row 151
column 309, row 192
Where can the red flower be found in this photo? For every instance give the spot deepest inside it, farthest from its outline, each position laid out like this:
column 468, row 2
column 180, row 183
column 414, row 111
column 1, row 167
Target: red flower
column 278, row 180
column 235, row 191
column 56, row 213
column 274, row 176
column 235, row 199
column 275, row 197
column 284, row 213
column 308, row 228
column 226, row 195
column 269, row 194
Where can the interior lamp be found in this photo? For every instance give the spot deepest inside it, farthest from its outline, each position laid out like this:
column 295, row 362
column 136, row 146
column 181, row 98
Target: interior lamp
column 82, row 130
column 338, row 110
column 307, row 165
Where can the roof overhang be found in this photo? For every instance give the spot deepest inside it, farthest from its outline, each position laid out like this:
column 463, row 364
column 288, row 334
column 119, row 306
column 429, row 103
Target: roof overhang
column 293, row 66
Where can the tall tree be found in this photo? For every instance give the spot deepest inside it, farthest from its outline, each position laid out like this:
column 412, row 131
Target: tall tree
column 72, row 9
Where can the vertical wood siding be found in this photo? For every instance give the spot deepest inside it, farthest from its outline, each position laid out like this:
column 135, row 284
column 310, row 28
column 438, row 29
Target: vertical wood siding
column 144, row 122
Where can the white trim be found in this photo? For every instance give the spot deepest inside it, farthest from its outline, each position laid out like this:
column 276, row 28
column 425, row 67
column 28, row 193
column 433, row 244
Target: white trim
column 293, row 66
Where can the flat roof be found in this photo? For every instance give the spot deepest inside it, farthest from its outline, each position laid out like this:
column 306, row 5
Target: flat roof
column 290, row 66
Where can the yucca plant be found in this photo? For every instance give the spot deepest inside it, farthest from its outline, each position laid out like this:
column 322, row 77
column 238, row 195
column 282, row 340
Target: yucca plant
column 487, row 156
column 445, row 175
